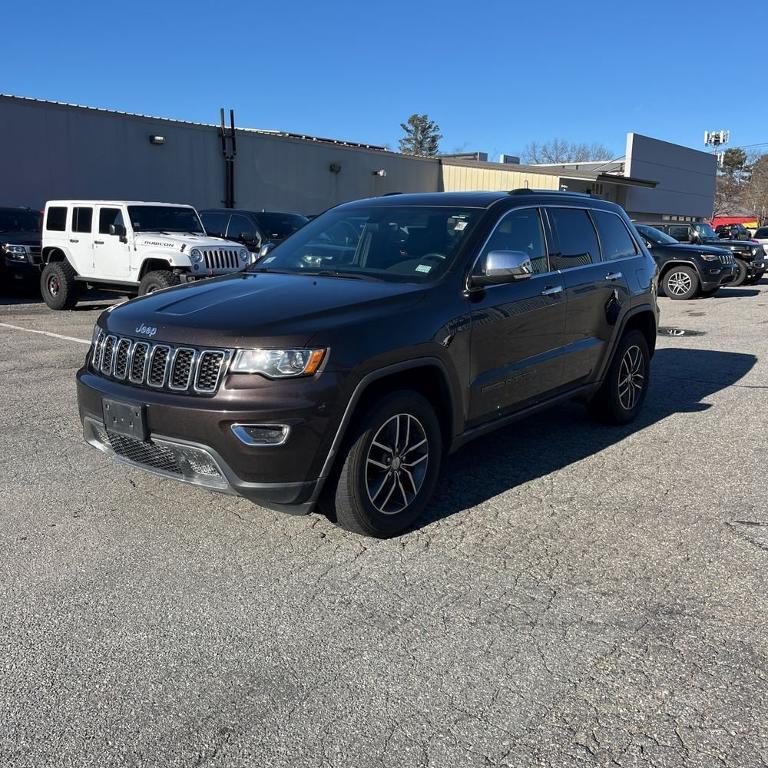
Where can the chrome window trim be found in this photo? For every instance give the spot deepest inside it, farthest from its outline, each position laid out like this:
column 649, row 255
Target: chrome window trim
column 143, row 377
column 192, row 364
column 539, row 209
column 155, row 349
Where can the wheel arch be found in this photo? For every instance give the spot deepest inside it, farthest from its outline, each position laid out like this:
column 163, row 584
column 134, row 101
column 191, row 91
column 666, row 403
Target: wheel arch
column 54, row 253
column 154, row 264
column 428, row 376
column 672, row 263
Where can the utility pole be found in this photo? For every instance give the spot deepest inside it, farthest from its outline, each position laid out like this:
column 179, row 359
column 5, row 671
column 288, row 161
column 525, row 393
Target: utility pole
column 229, row 150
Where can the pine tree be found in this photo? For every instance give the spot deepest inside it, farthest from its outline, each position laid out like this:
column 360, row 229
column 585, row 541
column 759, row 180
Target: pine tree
column 422, row 136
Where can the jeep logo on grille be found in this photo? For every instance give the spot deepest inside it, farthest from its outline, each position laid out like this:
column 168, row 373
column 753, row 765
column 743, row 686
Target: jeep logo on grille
column 146, row 330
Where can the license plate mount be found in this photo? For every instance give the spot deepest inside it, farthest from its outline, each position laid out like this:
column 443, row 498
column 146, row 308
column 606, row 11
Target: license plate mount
column 125, row 419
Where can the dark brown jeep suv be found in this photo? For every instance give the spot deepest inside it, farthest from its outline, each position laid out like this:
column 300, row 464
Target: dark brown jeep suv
column 341, row 368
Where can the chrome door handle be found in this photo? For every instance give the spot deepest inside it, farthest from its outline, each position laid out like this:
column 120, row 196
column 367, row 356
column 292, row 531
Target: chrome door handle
column 613, row 276
column 552, row 291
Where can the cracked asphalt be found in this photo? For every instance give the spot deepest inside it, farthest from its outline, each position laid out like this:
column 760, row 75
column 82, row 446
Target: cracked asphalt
column 577, row 595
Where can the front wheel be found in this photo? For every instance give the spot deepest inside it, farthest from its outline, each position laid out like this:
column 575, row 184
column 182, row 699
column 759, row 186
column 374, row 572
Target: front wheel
column 681, row 283
column 157, row 280
column 391, row 467
column 621, row 396
column 741, row 277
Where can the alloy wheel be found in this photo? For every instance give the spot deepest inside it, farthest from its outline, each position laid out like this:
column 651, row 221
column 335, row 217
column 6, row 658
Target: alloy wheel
column 679, row 283
column 396, row 464
column 54, row 286
column 631, row 377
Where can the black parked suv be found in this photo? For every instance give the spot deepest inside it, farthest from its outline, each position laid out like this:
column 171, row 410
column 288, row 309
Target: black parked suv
column 749, row 254
column 341, row 374
column 20, row 236
column 732, row 232
column 687, row 271
column 251, row 228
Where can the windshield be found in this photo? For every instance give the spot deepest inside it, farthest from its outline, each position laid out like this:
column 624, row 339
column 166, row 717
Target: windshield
column 705, row 231
column 656, row 236
column 278, row 226
column 164, row 218
column 19, row 220
column 392, row 243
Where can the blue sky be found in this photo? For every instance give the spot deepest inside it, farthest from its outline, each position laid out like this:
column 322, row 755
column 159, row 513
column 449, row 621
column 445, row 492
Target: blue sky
column 495, row 75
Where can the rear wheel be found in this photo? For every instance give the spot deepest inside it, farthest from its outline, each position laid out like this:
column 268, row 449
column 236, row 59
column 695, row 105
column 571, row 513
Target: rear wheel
column 621, row 396
column 157, row 280
column 391, row 466
column 681, row 283
column 59, row 286
column 741, row 275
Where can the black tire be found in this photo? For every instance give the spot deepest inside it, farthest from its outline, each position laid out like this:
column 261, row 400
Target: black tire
column 754, row 279
column 58, row 285
column 157, row 280
column 614, row 402
column 681, row 283
column 741, row 276
column 402, row 421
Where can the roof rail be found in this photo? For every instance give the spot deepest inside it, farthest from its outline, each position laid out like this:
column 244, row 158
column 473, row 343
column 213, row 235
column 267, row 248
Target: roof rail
column 529, row 191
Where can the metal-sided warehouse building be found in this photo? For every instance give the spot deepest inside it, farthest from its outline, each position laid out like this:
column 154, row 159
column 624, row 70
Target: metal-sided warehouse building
column 50, row 150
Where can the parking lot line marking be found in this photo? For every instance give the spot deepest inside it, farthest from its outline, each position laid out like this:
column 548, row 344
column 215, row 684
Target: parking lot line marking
column 45, row 333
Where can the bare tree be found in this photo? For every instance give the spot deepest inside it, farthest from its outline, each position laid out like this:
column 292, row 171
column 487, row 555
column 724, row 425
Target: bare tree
column 729, row 195
column 561, row 151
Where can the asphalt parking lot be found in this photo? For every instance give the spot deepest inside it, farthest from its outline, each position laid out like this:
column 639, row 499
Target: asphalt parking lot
column 577, row 595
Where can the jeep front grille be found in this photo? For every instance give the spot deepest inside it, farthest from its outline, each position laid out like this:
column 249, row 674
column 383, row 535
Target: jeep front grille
column 221, row 258
column 159, row 366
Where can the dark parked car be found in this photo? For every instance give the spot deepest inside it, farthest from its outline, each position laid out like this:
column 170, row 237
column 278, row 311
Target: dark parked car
column 341, row 373
column 20, row 236
column 732, row 232
column 750, row 256
column 251, row 228
column 687, row 271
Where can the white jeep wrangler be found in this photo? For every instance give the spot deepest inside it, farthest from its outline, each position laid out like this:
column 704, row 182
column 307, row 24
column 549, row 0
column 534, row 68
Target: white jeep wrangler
column 130, row 246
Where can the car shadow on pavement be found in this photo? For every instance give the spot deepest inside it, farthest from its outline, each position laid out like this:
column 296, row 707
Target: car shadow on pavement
column 681, row 380
column 728, row 293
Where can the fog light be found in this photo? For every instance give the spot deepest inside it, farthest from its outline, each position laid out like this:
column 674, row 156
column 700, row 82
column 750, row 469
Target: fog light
column 261, row 434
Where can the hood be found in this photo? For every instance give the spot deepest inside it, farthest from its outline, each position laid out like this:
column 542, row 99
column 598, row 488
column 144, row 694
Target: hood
column 731, row 245
column 692, row 248
column 249, row 309
column 20, row 238
column 177, row 239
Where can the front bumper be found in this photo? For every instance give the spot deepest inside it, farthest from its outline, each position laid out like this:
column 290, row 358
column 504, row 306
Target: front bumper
column 20, row 270
column 714, row 277
column 191, row 439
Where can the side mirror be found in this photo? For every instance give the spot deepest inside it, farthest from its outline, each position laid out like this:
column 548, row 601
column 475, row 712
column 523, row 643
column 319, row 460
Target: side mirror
column 119, row 231
column 266, row 248
column 503, row 267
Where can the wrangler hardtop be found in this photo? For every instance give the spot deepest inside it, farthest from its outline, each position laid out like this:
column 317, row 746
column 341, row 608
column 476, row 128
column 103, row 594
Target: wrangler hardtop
column 136, row 247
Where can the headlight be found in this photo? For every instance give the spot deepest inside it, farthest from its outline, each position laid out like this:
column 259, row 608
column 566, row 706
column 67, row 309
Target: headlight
column 16, row 252
column 195, row 256
column 245, row 255
column 709, row 257
column 278, row 363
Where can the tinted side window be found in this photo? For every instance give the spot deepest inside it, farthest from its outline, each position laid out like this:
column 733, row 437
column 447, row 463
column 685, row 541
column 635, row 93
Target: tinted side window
column 56, row 219
column 614, row 238
column 762, row 233
column 576, row 236
column 82, row 219
column 521, row 231
column 107, row 217
column 215, row 223
column 241, row 227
